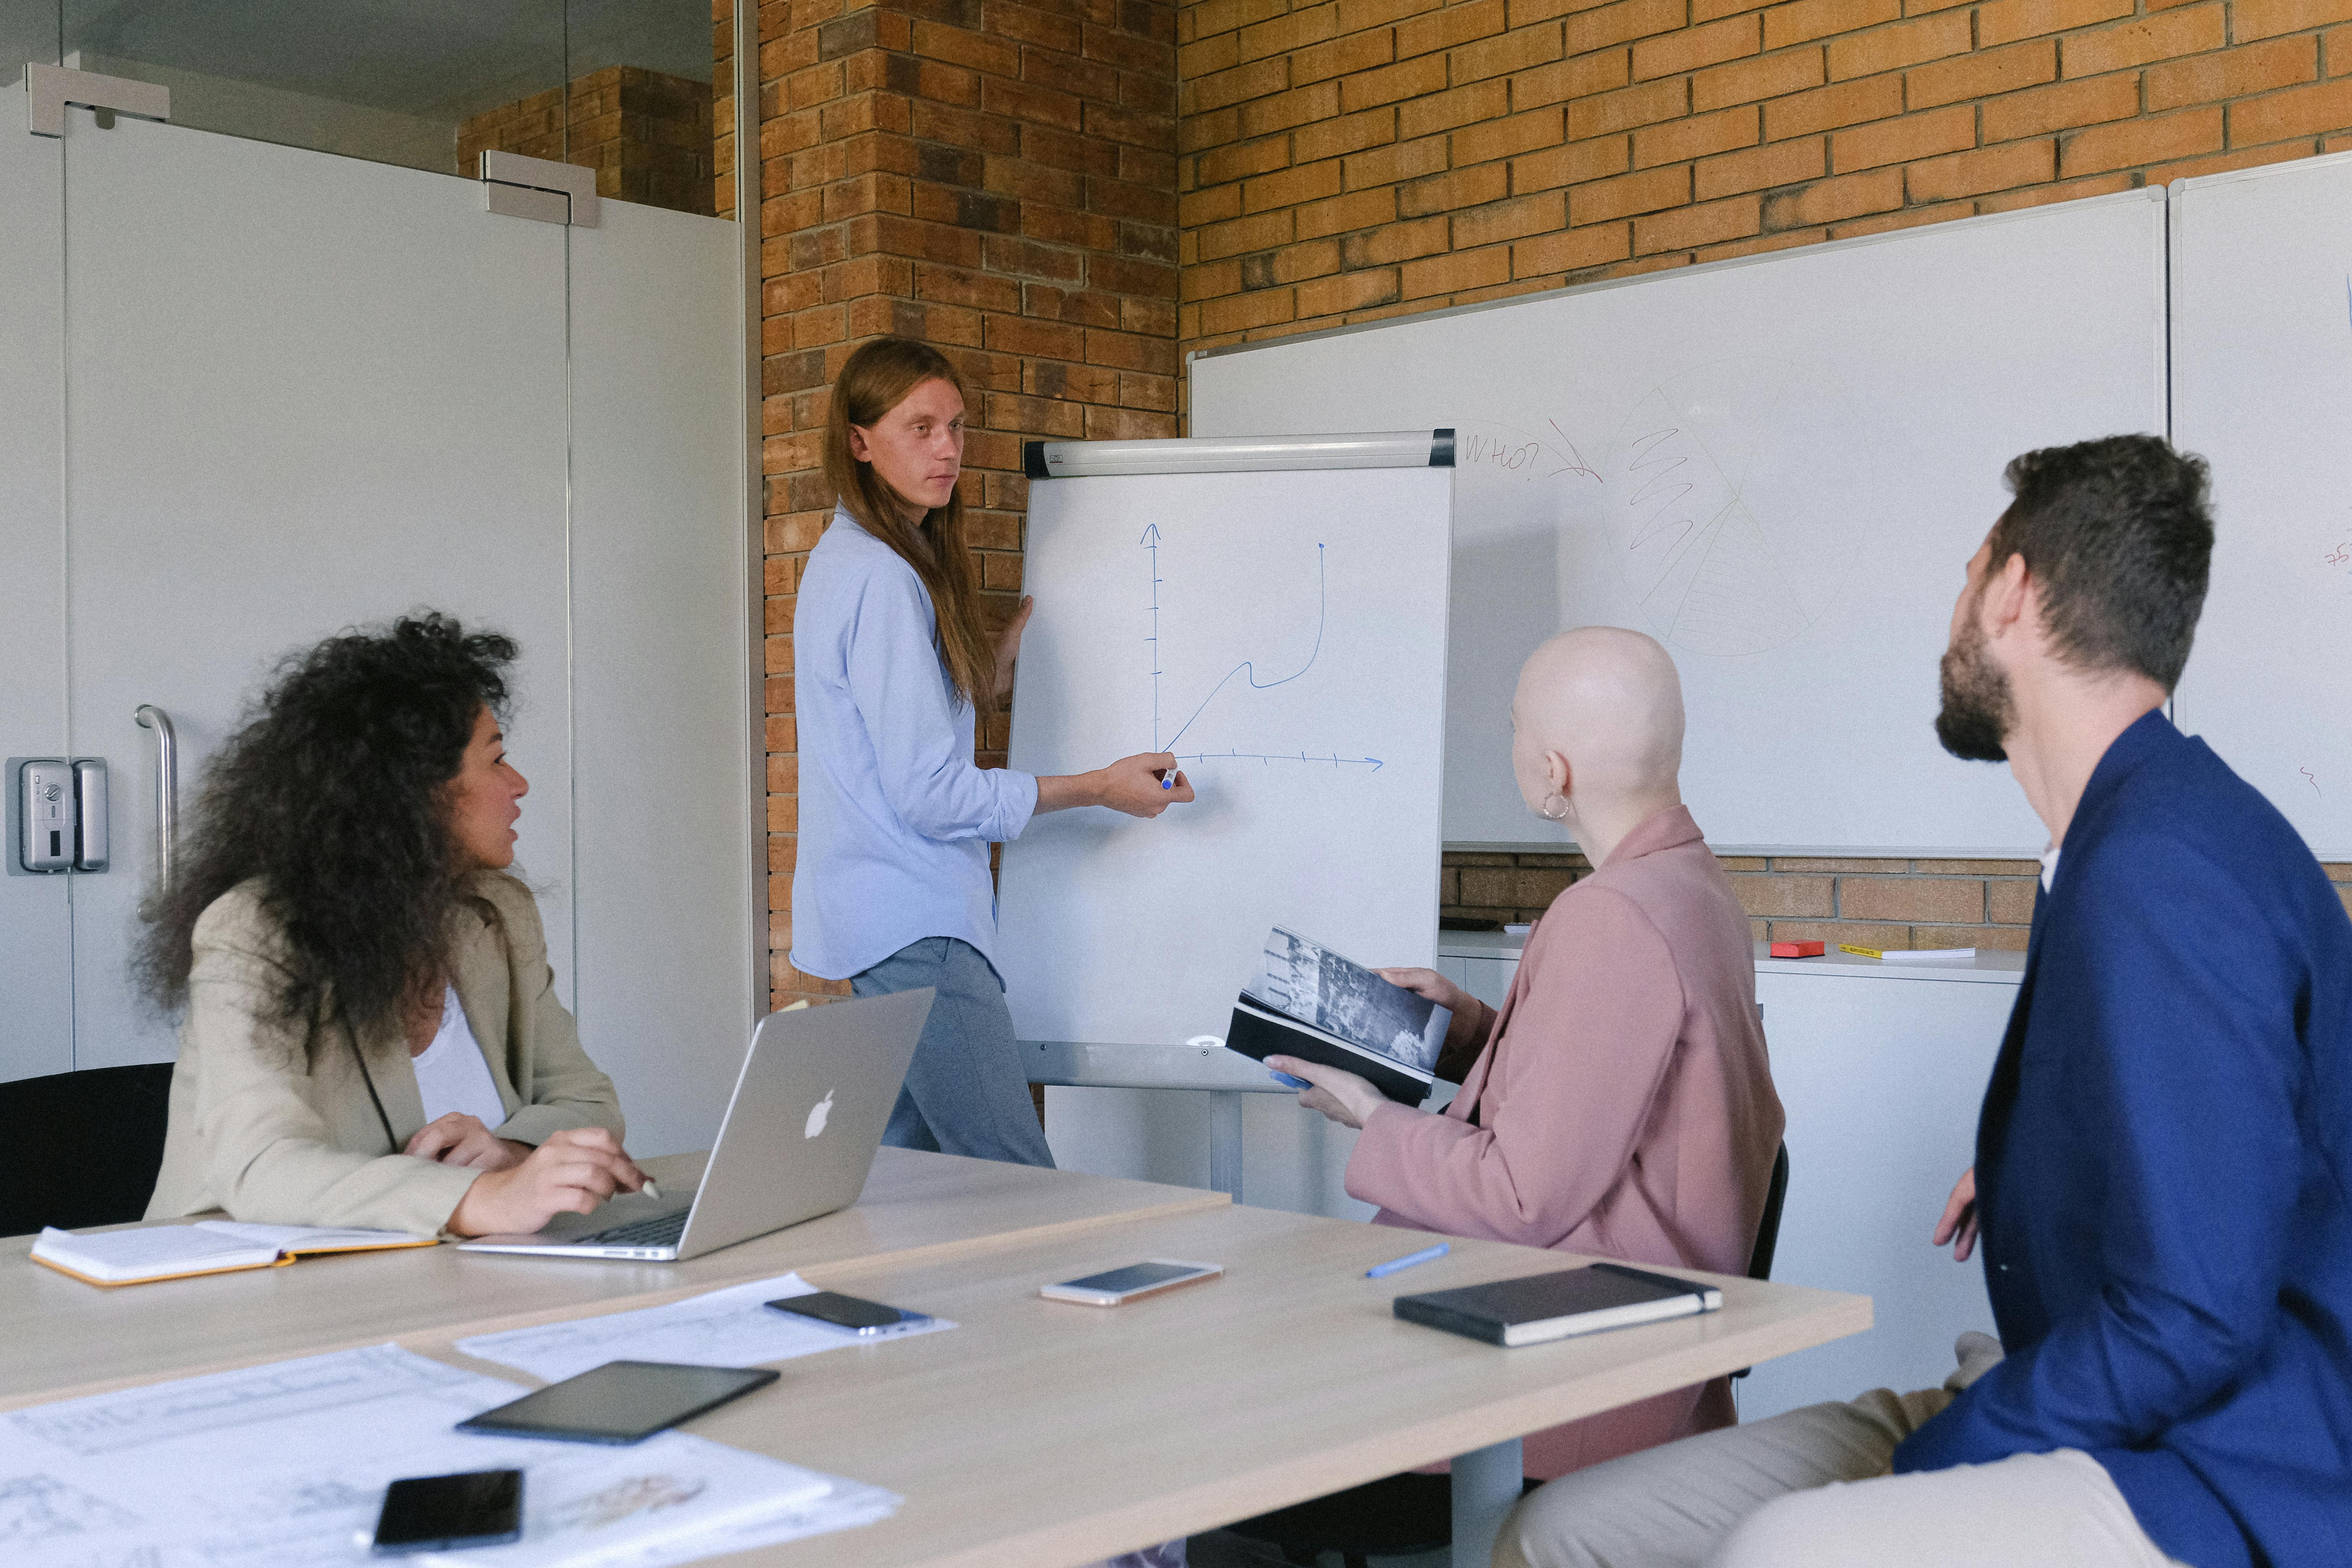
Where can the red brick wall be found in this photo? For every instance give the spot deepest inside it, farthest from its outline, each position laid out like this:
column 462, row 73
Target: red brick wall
column 999, row 180
column 648, row 135
column 722, row 108
column 1005, row 180
column 1870, row 903
column 1353, row 159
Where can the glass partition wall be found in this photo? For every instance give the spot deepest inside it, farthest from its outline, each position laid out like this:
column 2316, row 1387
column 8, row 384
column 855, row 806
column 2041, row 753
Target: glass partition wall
column 275, row 366
column 622, row 87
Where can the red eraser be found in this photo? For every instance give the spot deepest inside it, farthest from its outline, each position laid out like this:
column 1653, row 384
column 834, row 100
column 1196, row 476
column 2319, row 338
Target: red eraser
column 1796, row 950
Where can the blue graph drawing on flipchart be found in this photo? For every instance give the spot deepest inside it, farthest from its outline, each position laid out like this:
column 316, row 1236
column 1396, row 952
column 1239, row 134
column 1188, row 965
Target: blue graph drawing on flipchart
column 1246, row 668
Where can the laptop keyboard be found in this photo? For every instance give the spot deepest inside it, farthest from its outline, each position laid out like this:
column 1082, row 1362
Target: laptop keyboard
column 661, row 1230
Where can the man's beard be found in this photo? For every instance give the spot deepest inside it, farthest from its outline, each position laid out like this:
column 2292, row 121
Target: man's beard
column 1978, row 708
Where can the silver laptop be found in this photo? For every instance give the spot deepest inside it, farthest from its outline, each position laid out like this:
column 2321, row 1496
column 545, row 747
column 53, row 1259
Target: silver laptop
column 798, row 1137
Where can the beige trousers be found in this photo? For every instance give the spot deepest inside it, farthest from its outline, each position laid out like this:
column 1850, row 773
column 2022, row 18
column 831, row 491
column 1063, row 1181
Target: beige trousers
column 1812, row 1489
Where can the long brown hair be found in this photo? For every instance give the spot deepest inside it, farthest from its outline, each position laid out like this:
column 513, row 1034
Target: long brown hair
column 877, row 379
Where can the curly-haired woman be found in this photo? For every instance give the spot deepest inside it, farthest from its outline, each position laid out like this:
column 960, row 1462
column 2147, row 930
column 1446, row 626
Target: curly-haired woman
column 371, row 1033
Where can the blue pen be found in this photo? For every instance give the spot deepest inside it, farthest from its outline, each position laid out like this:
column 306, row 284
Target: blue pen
column 1395, row 1264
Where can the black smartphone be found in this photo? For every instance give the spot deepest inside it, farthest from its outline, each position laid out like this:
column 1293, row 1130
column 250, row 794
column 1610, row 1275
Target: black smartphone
column 620, row 1401
column 870, row 1318
column 446, row 1513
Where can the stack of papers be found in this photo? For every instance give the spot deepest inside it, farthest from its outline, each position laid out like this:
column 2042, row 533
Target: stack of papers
column 285, row 1465
column 733, row 1326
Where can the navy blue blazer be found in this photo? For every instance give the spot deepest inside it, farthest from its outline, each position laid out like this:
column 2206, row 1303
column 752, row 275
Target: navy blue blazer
column 2163, row 1171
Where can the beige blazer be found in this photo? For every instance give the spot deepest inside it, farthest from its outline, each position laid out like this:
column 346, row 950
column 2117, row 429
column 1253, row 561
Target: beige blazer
column 276, row 1135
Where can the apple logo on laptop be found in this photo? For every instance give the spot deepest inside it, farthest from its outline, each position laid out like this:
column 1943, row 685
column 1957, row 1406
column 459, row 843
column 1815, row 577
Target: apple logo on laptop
column 817, row 1114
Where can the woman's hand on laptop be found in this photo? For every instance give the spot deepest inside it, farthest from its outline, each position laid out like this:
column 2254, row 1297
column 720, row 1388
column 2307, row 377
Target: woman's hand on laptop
column 1339, row 1094
column 458, row 1139
column 572, row 1173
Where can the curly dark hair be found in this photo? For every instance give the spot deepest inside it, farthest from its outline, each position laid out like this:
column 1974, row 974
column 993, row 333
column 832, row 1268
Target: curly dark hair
column 331, row 793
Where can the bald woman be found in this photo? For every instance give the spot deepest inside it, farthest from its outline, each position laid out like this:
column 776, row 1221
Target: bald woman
column 1619, row 1103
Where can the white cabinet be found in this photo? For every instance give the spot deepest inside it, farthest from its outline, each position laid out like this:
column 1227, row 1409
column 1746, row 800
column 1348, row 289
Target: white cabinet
column 1486, row 978
column 1880, row 1077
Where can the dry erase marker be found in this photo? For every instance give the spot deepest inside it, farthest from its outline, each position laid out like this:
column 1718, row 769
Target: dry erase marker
column 1395, row 1264
column 1168, row 779
column 1860, row 951
column 650, row 1190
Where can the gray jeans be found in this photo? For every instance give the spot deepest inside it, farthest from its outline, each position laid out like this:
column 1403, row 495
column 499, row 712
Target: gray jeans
column 966, row 1092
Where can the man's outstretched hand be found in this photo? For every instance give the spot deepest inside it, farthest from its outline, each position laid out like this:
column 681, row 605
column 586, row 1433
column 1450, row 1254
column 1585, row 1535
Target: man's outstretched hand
column 1958, row 1224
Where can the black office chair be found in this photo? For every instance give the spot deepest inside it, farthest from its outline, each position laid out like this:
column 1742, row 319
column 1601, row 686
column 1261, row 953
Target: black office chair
column 1768, row 1229
column 81, row 1148
column 1398, row 1516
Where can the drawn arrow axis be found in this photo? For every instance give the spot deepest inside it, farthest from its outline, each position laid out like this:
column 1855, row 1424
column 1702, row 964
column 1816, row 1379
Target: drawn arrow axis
column 1150, row 542
column 1334, row 760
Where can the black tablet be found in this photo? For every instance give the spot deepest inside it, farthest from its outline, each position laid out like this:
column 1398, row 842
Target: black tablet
column 620, row 1401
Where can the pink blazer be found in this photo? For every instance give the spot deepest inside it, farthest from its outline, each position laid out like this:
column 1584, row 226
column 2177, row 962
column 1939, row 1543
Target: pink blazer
column 1622, row 1106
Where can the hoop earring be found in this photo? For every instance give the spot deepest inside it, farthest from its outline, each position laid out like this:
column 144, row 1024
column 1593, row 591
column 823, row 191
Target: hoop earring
column 1545, row 811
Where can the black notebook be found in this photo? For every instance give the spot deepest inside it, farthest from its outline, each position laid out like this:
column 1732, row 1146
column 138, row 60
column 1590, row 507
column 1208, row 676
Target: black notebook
column 1541, row 1306
column 1306, row 1001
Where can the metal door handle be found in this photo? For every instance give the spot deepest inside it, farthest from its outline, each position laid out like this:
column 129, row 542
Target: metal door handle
column 167, row 787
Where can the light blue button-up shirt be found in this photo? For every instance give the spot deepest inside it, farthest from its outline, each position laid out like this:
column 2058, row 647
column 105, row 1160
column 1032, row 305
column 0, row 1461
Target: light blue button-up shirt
column 895, row 819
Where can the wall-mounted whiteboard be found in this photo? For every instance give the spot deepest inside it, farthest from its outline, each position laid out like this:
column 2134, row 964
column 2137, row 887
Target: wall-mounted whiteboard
column 1778, row 467
column 1284, row 634
column 2262, row 387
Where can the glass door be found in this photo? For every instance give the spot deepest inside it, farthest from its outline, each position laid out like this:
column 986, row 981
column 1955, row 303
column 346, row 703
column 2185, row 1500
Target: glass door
column 302, row 393
column 270, row 391
column 36, row 920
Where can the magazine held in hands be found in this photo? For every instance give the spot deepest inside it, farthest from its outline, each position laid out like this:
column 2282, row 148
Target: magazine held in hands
column 1309, row 1002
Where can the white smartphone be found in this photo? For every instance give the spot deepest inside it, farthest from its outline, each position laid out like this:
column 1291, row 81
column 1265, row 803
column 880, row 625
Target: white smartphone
column 1146, row 1278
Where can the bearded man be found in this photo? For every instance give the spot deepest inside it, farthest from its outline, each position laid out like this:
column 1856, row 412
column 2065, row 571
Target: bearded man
column 2163, row 1182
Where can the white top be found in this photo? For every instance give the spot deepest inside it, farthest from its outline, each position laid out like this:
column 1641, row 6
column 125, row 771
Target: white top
column 453, row 1074
column 895, row 819
column 2049, row 866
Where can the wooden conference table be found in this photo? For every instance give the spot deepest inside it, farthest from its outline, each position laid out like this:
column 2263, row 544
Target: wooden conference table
column 1038, row 1433
column 61, row 1333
